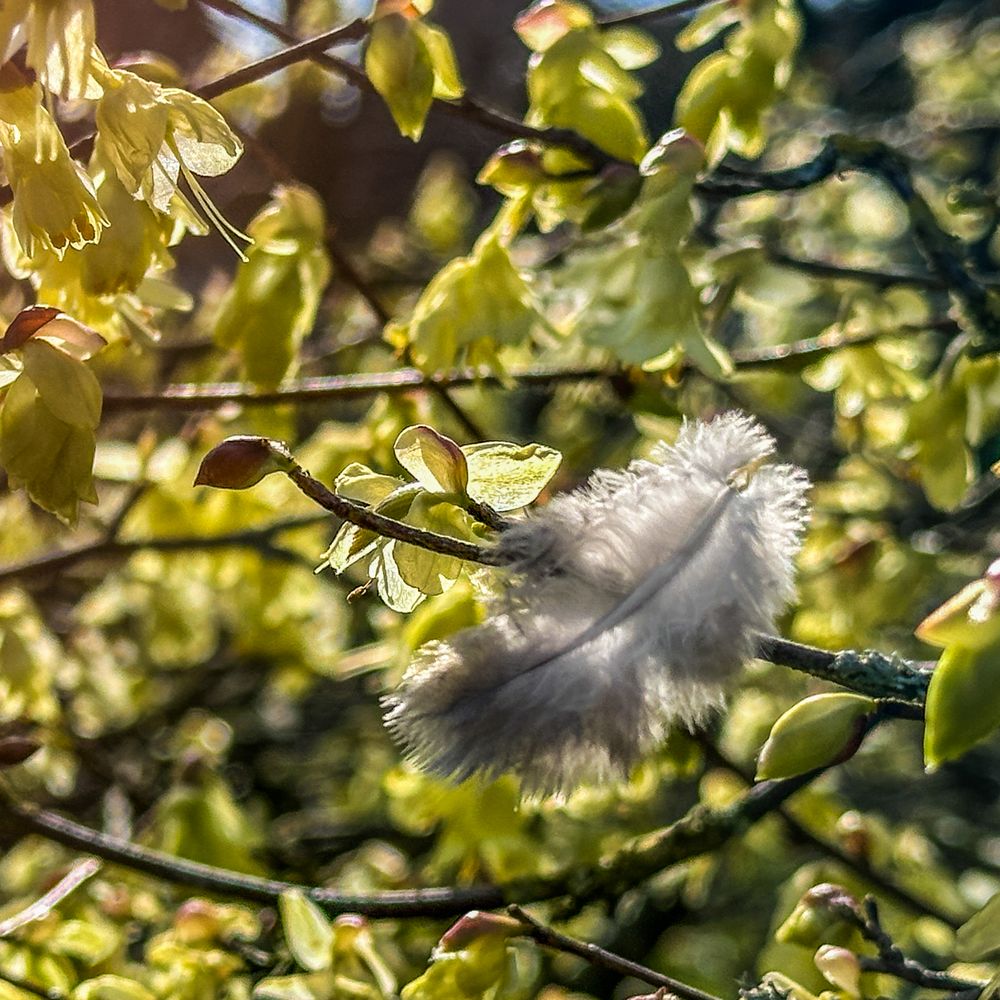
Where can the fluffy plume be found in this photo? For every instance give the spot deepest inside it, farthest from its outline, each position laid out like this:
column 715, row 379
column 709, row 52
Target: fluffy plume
column 629, row 604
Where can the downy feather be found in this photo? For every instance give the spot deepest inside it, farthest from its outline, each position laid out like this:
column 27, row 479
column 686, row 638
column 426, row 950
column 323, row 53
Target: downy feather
column 629, row 604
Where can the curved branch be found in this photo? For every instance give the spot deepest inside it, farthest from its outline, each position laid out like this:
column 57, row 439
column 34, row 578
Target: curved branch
column 701, row 830
column 250, row 538
column 365, row 517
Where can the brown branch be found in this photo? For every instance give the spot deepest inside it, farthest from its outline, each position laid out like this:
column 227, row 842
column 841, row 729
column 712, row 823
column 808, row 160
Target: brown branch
column 202, row 396
column 944, row 253
column 549, row 937
column 467, row 108
column 365, row 517
column 891, row 959
column 700, row 831
column 655, row 12
column 856, row 863
column 115, row 548
column 296, row 53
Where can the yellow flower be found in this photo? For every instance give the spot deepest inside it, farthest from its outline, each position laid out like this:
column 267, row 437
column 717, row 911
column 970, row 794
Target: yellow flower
column 60, row 36
column 153, row 135
column 55, row 205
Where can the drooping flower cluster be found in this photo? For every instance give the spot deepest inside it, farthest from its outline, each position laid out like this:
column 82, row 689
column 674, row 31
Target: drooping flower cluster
column 631, row 603
column 141, row 181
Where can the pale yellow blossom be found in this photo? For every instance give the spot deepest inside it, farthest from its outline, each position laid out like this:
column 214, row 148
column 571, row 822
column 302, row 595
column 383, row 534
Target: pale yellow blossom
column 153, row 136
column 60, row 38
column 55, row 205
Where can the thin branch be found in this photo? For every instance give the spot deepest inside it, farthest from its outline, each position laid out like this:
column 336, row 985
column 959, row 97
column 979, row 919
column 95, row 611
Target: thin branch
column 840, row 272
column 700, row 831
column 549, row 937
column 440, row 902
column 944, row 253
column 115, row 548
column 203, row 396
column 467, row 108
column 44, row 905
column 891, row 959
column 299, row 52
column 365, row 517
column 858, row 864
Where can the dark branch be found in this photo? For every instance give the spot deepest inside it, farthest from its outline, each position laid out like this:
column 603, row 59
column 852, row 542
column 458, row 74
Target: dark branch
column 113, row 548
column 549, row 937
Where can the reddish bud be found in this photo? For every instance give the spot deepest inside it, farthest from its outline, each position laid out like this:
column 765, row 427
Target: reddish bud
column 477, row 924
column 545, row 22
column 25, row 325
column 241, row 462
column 17, row 749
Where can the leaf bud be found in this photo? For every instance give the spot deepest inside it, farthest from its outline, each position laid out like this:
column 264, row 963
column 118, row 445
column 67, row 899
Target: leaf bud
column 242, row 461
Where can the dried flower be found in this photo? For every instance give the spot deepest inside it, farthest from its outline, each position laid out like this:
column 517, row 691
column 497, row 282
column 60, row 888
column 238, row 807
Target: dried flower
column 631, row 603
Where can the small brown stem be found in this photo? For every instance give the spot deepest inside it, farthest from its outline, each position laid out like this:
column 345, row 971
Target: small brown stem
column 388, row 527
column 549, row 937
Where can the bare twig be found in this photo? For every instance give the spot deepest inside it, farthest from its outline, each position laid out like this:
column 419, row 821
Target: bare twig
column 205, row 396
column 44, row 905
column 549, row 937
column 700, row 831
column 891, row 959
column 296, row 53
column 655, row 12
column 858, row 864
column 116, row 548
column 944, row 253
column 466, row 107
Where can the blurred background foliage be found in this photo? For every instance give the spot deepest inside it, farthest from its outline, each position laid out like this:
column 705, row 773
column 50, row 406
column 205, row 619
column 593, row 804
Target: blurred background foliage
column 192, row 683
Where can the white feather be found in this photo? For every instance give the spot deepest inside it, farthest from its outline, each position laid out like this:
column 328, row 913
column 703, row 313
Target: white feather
column 629, row 605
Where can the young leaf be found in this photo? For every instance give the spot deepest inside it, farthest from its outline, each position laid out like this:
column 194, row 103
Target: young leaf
column 813, row 733
column 435, row 461
column 52, row 459
column 963, row 702
column 307, row 930
column 979, row 937
column 508, row 476
column 401, row 69
column 66, row 386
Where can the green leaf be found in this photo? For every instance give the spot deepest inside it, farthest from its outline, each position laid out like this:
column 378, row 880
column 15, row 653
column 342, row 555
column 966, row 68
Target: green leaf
column 630, row 47
column 979, row 937
column 392, row 588
column 430, row 572
column 111, row 987
column 53, row 460
column 435, row 461
column 508, row 476
column 274, row 298
column 963, row 702
column 67, row 386
column 813, row 733
column 307, row 930
column 358, row 482
column 448, row 84
column 84, row 940
column 482, row 299
column 401, row 69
